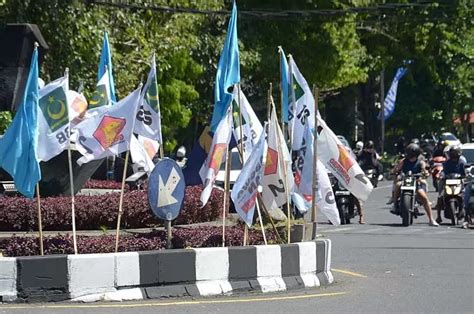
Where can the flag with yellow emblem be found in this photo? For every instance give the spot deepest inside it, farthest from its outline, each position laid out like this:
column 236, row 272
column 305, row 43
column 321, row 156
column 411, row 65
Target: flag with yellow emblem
column 109, row 132
column 277, row 174
column 216, row 155
column 53, row 119
column 101, row 96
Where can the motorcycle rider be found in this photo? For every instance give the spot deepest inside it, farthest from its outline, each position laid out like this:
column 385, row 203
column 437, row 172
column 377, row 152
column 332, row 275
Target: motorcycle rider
column 181, row 159
column 412, row 163
column 358, row 148
column 454, row 165
column 369, row 159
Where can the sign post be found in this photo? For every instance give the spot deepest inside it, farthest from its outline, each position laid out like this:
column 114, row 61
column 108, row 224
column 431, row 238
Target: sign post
column 166, row 193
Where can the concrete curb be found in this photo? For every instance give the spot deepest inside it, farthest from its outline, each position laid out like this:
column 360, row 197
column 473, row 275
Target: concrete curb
column 167, row 273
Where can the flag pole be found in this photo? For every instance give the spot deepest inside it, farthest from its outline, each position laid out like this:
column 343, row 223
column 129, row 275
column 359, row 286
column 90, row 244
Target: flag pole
column 228, row 160
column 265, row 210
column 260, row 216
column 71, row 182
column 315, row 163
column 40, row 224
column 246, row 228
column 293, row 102
column 280, row 52
column 124, row 176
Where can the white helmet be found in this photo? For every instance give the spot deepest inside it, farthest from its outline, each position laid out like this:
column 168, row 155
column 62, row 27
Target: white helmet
column 359, row 145
column 181, row 152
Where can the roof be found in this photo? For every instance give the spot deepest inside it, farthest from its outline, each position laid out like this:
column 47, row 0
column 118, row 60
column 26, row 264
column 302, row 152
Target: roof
column 471, row 119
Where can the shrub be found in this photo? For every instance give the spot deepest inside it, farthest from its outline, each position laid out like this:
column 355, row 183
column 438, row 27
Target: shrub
column 103, row 184
column 100, row 211
column 156, row 240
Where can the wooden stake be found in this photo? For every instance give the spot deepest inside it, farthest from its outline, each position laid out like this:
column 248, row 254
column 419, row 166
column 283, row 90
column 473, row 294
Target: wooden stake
column 246, row 234
column 40, row 224
column 261, row 222
column 73, row 202
column 120, row 212
column 315, row 164
column 270, row 218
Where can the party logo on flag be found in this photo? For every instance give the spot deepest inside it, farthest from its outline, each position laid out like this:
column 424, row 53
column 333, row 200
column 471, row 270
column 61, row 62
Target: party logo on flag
column 271, row 164
column 216, row 157
column 109, row 131
column 152, row 95
column 53, row 105
column 99, row 98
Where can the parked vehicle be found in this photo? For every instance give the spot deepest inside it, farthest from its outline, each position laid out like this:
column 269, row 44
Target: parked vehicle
column 436, row 167
column 449, row 139
column 408, row 202
column 345, row 201
column 452, row 198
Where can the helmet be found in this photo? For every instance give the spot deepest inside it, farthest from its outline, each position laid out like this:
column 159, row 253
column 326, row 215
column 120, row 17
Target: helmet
column 369, row 144
column 454, row 152
column 359, row 145
column 415, row 141
column 181, row 152
column 413, row 150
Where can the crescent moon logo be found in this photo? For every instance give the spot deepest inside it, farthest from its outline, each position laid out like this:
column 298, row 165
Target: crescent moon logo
column 58, row 115
column 95, row 99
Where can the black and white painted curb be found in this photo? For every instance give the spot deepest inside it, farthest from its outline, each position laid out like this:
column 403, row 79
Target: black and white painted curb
column 167, row 273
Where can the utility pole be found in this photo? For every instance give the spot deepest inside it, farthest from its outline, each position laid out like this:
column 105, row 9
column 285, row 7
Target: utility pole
column 382, row 111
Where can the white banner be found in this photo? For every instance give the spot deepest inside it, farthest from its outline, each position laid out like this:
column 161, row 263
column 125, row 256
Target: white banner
column 141, row 151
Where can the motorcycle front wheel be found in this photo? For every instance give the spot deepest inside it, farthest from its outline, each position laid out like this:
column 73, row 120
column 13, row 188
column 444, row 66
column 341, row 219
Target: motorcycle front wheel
column 453, row 208
column 405, row 206
column 344, row 214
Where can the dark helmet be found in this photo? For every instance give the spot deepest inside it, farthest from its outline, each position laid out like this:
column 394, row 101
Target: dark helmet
column 413, row 150
column 454, row 152
column 369, row 144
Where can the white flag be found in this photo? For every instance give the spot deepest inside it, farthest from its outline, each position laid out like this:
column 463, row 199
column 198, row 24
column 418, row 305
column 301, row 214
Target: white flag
column 148, row 119
column 301, row 111
column 109, row 132
column 217, row 153
column 274, row 194
column 342, row 165
column 53, row 119
column 141, row 150
column 251, row 126
column 245, row 191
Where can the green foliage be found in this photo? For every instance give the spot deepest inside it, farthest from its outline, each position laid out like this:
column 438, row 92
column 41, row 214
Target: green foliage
column 5, row 120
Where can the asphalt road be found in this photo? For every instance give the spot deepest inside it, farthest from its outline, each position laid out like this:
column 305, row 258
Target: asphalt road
column 379, row 267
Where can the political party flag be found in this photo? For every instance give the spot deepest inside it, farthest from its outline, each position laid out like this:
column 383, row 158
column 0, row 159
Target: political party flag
column 301, row 106
column 148, row 119
column 342, row 165
column 53, row 119
column 216, row 155
column 197, row 157
column 285, row 84
column 303, row 194
column 275, row 189
column 105, row 67
column 77, row 105
column 102, row 95
column 107, row 133
column 245, row 191
column 141, row 150
column 251, row 126
column 18, row 146
column 228, row 72
column 389, row 102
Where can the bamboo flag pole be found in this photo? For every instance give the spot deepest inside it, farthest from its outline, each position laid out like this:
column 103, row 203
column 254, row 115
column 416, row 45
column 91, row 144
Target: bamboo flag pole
column 260, row 217
column 280, row 52
column 120, row 212
column 315, row 164
column 71, row 182
column 269, row 217
column 40, row 224
column 293, row 102
column 225, row 206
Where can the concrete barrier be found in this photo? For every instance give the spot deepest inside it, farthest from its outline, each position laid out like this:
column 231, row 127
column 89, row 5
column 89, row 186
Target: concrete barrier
column 167, row 273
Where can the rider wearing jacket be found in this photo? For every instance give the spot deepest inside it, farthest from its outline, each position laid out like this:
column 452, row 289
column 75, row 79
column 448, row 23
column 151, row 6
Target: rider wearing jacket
column 412, row 163
column 454, row 165
column 368, row 158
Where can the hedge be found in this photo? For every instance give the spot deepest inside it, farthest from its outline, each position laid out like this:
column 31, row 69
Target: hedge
column 182, row 238
column 100, row 211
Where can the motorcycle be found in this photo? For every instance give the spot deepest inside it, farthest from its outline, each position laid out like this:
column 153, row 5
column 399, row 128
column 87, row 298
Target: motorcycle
column 452, row 198
column 408, row 202
column 436, row 167
column 469, row 192
column 371, row 174
column 345, row 201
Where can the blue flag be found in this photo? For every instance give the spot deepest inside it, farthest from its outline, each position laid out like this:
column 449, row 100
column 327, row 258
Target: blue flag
column 228, row 72
column 285, row 84
column 106, row 60
column 18, row 146
column 389, row 102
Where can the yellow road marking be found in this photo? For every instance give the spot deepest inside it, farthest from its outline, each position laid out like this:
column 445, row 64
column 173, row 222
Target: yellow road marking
column 201, row 302
column 347, row 272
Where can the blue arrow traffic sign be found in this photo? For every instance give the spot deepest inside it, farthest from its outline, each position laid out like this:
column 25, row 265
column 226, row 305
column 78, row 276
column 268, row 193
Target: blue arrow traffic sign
column 166, row 189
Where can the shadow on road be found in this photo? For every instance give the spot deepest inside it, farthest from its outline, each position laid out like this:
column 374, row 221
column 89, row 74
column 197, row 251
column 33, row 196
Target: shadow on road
column 388, row 225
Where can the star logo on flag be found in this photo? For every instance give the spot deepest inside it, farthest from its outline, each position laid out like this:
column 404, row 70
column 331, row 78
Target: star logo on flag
column 108, row 131
column 54, row 108
column 99, row 98
column 216, row 157
column 272, row 162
